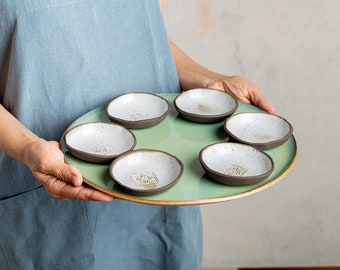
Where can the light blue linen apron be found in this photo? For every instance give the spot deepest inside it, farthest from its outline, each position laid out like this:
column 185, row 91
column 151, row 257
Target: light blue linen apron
column 58, row 60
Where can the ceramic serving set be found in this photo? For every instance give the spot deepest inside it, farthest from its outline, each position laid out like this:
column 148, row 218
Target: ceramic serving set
column 149, row 171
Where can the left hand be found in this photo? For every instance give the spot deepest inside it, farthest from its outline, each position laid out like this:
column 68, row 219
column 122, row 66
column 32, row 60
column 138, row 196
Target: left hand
column 61, row 181
column 243, row 90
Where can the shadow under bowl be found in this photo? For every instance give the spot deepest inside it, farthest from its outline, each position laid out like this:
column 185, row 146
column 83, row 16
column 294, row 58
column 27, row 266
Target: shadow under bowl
column 235, row 164
column 146, row 172
column 99, row 142
column 137, row 110
column 205, row 105
column 260, row 130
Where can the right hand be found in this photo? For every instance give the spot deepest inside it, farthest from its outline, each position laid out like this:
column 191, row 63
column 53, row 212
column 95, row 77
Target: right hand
column 62, row 181
column 243, row 90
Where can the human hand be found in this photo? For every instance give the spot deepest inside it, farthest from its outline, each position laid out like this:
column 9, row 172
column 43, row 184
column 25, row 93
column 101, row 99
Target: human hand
column 62, row 181
column 243, row 90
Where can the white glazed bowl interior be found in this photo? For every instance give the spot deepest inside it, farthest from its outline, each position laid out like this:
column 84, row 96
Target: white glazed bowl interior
column 134, row 107
column 146, row 171
column 206, row 102
column 258, row 128
column 237, row 161
column 99, row 141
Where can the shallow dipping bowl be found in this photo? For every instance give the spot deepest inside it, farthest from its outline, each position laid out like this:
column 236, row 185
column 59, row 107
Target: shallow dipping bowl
column 99, row 142
column 146, row 172
column 137, row 110
column 261, row 130
column 235, row 164
column 205, row 105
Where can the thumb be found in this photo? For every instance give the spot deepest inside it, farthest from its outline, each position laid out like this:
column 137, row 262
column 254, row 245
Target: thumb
column 69, row 174
column 263, row 104
column 260, row 101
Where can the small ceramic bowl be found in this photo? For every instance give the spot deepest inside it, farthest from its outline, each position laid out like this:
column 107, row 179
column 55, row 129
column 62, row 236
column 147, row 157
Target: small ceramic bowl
column 146, row 172
column 235, row 164
column 205, row 105
column 137, row 110
column 99, row 142
column 261, row 130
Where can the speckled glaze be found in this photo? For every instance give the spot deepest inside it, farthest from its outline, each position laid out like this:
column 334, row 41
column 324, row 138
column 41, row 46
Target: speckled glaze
column 183, row 139
column 99, row 142
column 235, row 164
column 261, row 130
column 137, row 110
column 146, row 172
column 205, row 105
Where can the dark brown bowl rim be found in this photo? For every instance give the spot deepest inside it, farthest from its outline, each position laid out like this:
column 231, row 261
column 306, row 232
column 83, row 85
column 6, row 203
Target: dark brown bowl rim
column 151, row 191
column 227, row 177
column 203, row 117
column 143, row 123
column 96, row 158
column 264, row 145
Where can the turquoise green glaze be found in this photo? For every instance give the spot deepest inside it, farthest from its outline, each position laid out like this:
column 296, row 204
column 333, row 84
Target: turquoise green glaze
column 183, row 139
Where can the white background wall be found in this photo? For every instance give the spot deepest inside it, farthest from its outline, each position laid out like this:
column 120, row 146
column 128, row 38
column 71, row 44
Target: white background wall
column 291, row 50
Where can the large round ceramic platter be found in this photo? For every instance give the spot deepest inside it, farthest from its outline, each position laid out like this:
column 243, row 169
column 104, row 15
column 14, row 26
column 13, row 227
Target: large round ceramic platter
column 99, row 142
column 205, row 105
column 261, row 130
column 146, row 172
column 183, row 139
column 235, row 164
column 137, row 110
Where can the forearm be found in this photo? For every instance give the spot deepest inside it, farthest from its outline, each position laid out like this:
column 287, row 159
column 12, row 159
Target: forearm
column 191, row 74
column 14, row 136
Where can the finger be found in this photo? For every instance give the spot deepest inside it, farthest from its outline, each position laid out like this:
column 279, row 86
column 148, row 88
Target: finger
column 264, row 104
column 63, row 191
column 74, row 175
column 67, row 174
column 84, row 193
column 260, row 101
